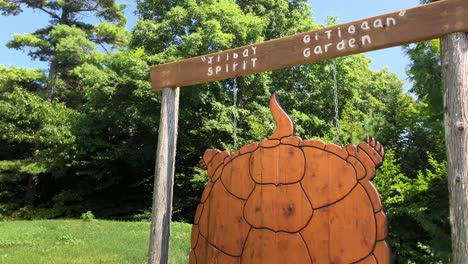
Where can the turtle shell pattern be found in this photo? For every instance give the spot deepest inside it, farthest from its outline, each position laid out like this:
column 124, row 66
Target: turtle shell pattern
column 288, row 200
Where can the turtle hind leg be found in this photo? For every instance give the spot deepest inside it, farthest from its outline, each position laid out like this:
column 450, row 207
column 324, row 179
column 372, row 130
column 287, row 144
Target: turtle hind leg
column 205, row 253
column 381, row 221
column 373, row 195
column 368, row 260
column 382, row 252
column 192, row 258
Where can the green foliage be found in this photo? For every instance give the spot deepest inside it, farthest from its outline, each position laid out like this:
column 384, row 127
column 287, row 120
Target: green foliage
column 38, row 110
column 420, row 203
column 425, row 72
column 31, row 80
column 39, row 213
column 104, row 9
column 117, row 131
column 35, row 135
column 189, row 28
column 68, row 41
column 88, row 216
column 143, row 216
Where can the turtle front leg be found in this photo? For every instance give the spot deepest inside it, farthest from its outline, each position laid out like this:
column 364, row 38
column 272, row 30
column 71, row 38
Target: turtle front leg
column 366, row 157
column 212, row 160
column 374, row 150
column 207, row 157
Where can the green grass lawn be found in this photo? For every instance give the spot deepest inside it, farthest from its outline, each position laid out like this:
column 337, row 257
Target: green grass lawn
column 87, row 242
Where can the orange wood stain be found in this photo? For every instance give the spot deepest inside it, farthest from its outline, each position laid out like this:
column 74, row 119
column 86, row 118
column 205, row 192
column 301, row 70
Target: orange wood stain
column 290, row 213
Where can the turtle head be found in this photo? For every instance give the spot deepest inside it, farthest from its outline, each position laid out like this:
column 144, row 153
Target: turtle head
column 284, row 125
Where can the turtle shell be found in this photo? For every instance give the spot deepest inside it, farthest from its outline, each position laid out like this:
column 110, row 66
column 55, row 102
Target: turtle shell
column 288, row 200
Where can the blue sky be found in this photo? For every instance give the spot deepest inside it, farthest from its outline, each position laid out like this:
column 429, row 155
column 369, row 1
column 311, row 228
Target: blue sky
column 351, row 10
column 345, row 11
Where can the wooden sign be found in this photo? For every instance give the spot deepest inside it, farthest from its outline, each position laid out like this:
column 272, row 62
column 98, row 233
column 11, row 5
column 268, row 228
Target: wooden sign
column 287, row 200
column 407, row 26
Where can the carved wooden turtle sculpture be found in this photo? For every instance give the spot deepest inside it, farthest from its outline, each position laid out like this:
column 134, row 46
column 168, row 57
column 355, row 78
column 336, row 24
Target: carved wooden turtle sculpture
column 287, row 200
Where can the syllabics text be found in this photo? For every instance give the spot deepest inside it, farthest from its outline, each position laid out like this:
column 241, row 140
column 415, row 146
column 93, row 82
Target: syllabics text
column 231, row 61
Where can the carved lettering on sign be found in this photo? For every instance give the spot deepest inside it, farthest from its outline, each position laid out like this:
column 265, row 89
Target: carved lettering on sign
column 349, row 38
column 231, row 62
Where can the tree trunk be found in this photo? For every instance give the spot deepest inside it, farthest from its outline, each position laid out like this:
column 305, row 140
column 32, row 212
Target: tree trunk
column 52, row 81
column 164, row 178
column 454, row 52
column 31, row 189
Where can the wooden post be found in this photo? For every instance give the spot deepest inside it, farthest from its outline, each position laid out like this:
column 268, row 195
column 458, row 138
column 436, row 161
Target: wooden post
column 454, row 55
column 164, row 178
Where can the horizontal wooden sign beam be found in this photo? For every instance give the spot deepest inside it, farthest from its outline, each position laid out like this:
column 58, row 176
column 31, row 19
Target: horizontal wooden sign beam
column 403, row 27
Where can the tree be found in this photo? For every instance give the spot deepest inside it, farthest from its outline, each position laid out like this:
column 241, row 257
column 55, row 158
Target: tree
column 417, row 211
column 188, row 29
column 454, row 51
column 67, row 41
column 116, row 133
column 425, row 72
column 35, row 136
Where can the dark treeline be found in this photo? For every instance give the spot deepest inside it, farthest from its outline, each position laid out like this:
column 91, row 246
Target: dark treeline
column 81, row 135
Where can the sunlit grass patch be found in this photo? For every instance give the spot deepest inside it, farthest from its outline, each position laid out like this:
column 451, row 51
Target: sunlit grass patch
column 87, row 242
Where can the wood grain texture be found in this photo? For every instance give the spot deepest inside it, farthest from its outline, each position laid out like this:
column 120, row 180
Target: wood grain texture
column 214, row 167
column 343, row 232
column 195, row 233
column 290, row 213
column 328, row 177
column 278, row 165
column 293, row 140
column 292, row 201
column 373, row 195
column 164, row 178
column 198, row 213
column 236, row 177
column 454, row 56
column 222, row 222
column 381, row 221
column 248, row 148
column 382, row 252
column 206, row 253
column 266, row 246
column 394, row 29
column 369, row 260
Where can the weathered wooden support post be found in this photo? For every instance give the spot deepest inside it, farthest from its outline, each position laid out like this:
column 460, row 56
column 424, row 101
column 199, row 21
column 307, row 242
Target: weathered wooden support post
column 164, row 178
column 454, row 57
